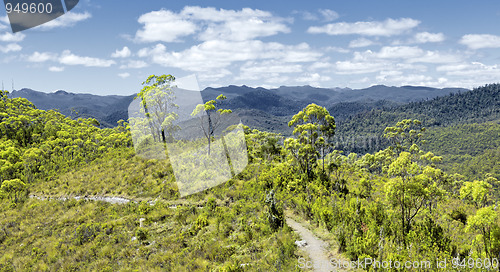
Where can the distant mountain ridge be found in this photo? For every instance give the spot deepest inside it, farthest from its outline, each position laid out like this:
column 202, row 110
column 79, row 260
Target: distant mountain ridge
column 261, row 104
column 106, row 109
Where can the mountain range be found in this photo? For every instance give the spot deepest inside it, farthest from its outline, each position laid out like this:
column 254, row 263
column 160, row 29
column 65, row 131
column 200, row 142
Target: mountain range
column 261, row 108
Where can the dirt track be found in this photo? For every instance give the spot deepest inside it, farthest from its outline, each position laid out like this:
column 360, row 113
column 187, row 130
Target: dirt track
column 315, row 248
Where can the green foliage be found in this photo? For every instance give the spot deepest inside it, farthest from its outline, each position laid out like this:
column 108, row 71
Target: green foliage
column 141, row 234
column 13, row 188
column 37, row 144
column 86, row 233
column 275, row 214
column 65, row 235
column 394, row 204
column 405, row 136
column 484, row 221
column 157, row 101
column 314, row 128
column 263, row 145
column 478, row 192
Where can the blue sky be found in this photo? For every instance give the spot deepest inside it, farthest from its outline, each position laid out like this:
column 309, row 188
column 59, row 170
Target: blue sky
column 110, row 47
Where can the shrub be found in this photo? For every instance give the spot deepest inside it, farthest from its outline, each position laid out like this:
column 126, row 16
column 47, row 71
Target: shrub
column 86, row 233
column 141, row 234
column 275, row 215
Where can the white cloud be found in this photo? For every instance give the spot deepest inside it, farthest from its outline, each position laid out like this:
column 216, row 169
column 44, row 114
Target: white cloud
column 387, row 73
column 209, row 24
column 220, row 54
column 41, row 57
column 329, row 15
column 436, row 57
column 410, row 79
column 11, row 47
column 4, row 19
column 409, row 54
column 123, row 75
column 4, row 22
column 163, row 25
column 214, row 76
column 277, row 80
column 312, row 79
column 269, row 70
column 56, row 68
column 67, row 20
column 335, row 49
column 359, row 67
column 9, row 37
column 134, row 64
column 393, row 58
column 246, row 29
column 271, row 67
column 326, row 15
column 308, row 16
column 123, row 53
column 388, row 27
column 295, row 53
column 361, row 42
column 426, row 37
column 473, row 69
column 320, row 65
column 235, row 25
column 399, row 52
column 69, row 58
column 478, row 41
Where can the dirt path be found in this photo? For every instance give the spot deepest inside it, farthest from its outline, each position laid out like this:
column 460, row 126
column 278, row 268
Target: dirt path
column 109, row 199
column 315, row 248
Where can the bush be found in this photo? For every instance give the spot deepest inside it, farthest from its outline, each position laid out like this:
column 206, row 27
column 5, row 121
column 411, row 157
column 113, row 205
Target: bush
column 141, row 234
column 275, row 215
column 86, row 233
column 459, row 215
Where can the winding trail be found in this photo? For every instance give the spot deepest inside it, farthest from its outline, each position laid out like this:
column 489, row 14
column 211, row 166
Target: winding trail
column 316, row 248
column 109, row 199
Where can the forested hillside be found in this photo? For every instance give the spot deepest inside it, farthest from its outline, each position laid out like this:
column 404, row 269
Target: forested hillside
column 404, row 202
column 461, row 126
column 479, row 105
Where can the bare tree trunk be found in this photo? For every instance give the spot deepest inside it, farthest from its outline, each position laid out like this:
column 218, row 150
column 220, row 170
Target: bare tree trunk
column 210, row 131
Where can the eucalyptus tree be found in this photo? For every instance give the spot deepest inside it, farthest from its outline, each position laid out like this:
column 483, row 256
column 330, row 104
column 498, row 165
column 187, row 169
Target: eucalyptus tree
column 213, row 112
column 314, row 128
column 158, row 104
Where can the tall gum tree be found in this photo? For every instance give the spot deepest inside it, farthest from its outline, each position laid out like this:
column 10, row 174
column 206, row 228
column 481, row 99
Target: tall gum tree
column 214, row 111
column 314, row 128
column 158, row 106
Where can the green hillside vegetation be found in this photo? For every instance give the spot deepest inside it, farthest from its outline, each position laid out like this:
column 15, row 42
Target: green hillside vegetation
column 465, row 127
column 393, row 204
column 476, row 106
column 468, row 149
